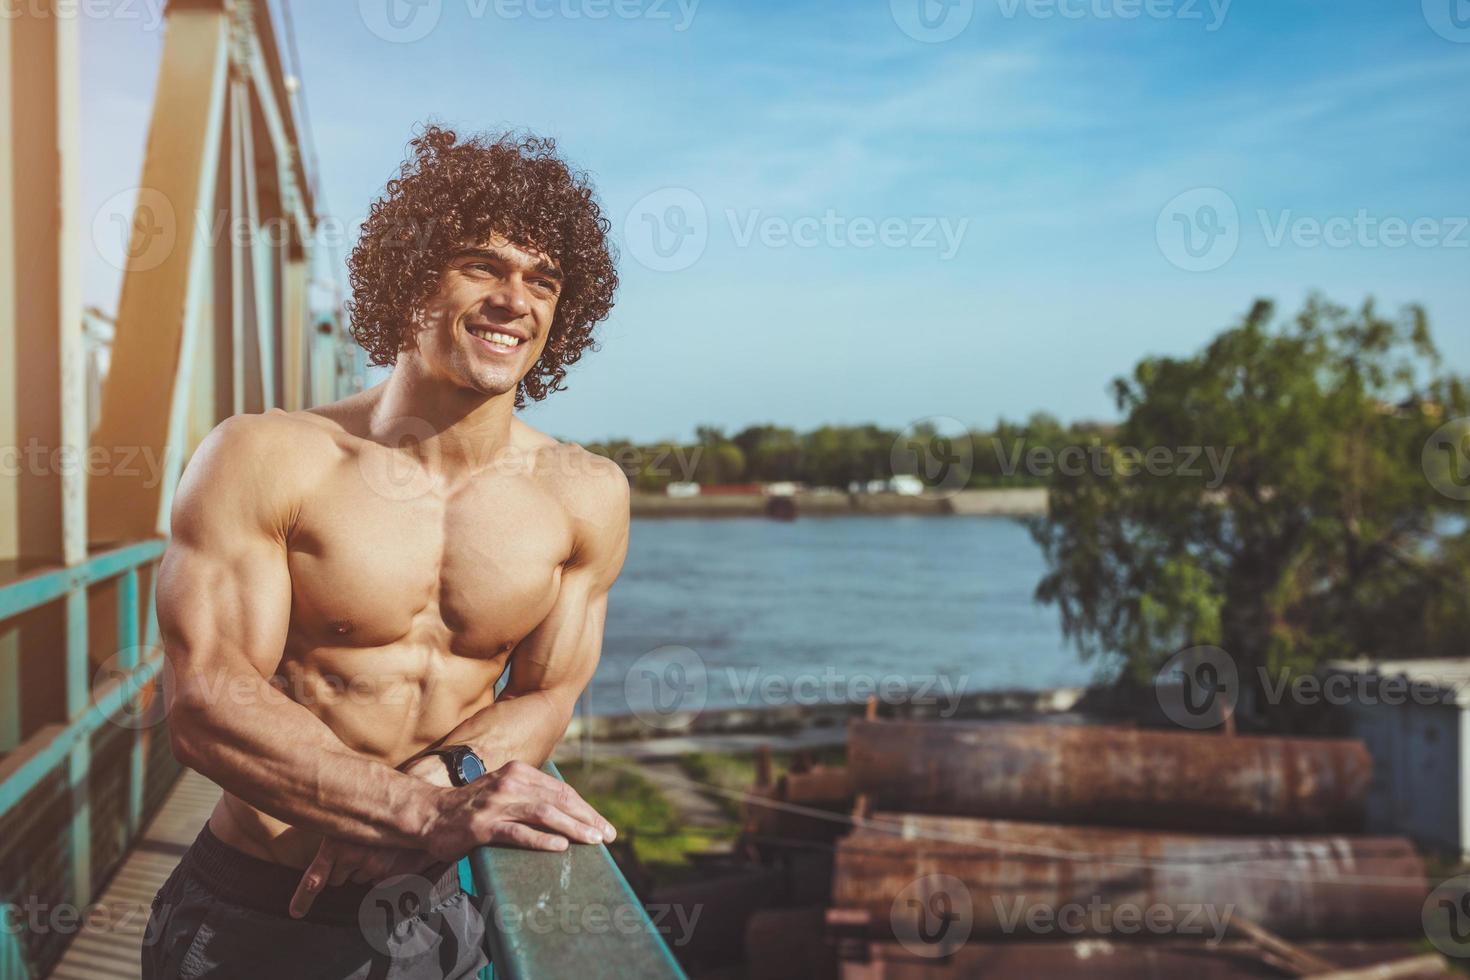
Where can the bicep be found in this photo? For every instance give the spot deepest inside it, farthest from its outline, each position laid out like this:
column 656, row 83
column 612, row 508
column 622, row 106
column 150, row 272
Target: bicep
column 224, row 589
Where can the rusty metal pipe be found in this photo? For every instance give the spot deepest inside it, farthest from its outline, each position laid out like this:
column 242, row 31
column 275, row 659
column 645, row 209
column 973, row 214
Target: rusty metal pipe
column 1111, row 775
column 1059, row 882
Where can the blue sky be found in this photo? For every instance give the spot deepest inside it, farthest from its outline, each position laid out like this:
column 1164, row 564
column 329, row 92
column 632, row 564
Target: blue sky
column 1065, row 148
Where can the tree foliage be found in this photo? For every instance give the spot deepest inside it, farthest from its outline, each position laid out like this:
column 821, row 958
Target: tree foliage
column 1325, row 537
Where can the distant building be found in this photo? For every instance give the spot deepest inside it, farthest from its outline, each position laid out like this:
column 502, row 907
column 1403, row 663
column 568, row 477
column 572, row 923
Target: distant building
column 680, row 488
column 905, row 485
column 1412, row 715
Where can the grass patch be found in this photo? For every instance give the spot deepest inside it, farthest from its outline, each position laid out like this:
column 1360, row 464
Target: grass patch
column 732, row 773
column 637, row 807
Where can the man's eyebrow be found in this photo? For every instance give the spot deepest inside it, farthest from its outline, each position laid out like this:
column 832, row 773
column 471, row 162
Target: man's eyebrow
column 540, row 267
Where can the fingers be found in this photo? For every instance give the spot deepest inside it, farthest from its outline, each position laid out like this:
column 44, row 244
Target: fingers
column 313, row 879
column 531, row 784
column 548, row 817
column 524, row 836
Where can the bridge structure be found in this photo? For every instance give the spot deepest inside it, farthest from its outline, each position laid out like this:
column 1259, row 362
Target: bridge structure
column 98, row 416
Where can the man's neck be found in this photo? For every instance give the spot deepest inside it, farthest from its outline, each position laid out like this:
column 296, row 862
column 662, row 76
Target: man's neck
column 452, row 430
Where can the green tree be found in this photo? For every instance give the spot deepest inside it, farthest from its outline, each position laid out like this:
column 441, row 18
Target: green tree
column 1323, row 536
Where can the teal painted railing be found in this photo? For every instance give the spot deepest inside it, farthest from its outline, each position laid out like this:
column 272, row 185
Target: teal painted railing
column 566, row 914
column 68, row 744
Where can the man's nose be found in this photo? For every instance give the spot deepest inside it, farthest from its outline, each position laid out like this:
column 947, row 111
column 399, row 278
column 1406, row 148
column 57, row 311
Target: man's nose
column 509, row 296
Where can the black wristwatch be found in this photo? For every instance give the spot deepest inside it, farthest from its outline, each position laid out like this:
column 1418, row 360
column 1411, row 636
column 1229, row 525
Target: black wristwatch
column 464, row 765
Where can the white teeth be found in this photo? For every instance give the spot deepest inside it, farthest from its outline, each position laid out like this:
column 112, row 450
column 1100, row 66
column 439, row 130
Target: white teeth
column 496, row 337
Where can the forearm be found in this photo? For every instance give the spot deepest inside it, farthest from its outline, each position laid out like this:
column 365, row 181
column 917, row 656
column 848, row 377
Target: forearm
column 517, row 727
column 280, row 758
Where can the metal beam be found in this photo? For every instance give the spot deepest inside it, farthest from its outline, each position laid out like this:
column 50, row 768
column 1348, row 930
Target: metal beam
column 146, row 395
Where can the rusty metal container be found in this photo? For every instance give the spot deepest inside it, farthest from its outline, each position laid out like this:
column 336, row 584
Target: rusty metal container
column 1100, row 774
column 1004, row 878
column 1099, row 959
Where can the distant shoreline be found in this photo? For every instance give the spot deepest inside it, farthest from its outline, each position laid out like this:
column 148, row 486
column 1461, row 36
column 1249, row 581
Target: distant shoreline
column 1025, row 502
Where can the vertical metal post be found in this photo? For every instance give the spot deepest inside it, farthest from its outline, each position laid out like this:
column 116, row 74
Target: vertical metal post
column 127, row 659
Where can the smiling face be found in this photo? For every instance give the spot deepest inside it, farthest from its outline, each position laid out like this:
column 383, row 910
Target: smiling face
column 488, row 322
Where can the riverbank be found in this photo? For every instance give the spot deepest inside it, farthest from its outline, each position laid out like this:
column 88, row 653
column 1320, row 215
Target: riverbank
column 1023, row 502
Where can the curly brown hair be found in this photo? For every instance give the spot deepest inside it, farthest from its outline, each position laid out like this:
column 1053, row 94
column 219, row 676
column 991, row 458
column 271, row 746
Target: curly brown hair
column 450, row 193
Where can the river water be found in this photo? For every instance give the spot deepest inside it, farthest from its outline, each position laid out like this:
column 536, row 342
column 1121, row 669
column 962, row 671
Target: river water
column 746, row 612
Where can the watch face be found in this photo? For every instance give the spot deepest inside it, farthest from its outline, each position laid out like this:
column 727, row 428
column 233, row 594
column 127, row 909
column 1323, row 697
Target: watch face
column 471, row 767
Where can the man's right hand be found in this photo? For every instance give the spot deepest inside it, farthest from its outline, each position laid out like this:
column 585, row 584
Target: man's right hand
column 517, row 805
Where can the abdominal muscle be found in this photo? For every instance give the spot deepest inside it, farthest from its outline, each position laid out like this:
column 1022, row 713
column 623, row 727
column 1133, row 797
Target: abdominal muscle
column 384, row 703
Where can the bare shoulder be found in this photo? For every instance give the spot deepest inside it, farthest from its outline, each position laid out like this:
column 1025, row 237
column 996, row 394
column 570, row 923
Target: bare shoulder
column 593, row 488
column 255, row 466
column 286, row 443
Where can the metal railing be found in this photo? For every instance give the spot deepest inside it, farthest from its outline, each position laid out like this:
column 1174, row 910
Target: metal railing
column 92, row 700
column 566, row 914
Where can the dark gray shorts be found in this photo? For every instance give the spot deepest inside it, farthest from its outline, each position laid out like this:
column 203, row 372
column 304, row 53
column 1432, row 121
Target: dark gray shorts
column 222, row 914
